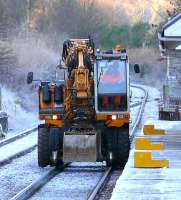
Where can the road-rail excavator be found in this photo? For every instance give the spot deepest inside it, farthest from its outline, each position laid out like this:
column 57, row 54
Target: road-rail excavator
column 86, row 115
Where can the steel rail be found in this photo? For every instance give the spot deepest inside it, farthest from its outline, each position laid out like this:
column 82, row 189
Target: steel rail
column 100, row 184
column 140, row 113
column 17, row 155
column 139, row 102
column 135, row 104
column 20, row 153
column 31, row 189
column 16, row 137
column 105, row 177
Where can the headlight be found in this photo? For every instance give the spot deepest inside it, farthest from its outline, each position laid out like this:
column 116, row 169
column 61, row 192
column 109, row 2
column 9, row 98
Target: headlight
column 114, row 117
column 55, row 117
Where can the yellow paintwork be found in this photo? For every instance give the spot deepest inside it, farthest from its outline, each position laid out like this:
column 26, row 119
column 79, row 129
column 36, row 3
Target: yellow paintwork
column 82, row 81
column 113, row 123
column 104, row 116
column 116, row 123
column 81, row 94
column 145, row 144
column 57, row 123
column 150, row 130
column 101, row 117
column 144, row 160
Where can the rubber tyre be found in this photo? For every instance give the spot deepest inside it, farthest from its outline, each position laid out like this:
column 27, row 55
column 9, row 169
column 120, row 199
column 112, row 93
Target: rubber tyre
column 43, row 146
column 58, row 147
column 118, row 143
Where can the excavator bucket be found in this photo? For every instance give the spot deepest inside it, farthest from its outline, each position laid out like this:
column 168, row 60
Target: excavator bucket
column 82, row 147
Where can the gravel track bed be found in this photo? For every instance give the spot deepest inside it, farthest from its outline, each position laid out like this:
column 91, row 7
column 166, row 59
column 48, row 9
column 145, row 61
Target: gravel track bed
column 80, row 179
column 73, row 183
column 19, row 174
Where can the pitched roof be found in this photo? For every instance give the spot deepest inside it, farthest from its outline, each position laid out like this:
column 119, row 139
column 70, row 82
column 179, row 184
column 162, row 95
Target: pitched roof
column 173, row 27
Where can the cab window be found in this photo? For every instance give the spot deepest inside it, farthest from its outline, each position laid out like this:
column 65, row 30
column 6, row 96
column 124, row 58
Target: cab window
column 112, row 85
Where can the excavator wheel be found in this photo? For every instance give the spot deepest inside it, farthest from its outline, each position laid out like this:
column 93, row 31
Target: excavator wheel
column 117, row 145
column 56, row 146
column 43, row 146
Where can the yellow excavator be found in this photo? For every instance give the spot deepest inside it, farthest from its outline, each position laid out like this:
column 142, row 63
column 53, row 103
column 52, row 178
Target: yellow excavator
column 86, row 115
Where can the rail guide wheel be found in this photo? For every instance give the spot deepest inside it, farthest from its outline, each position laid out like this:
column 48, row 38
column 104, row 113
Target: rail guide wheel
column 117, row 146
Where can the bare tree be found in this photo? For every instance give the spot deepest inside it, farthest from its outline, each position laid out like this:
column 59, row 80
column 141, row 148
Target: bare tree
column 77, row 18
column 176, row 7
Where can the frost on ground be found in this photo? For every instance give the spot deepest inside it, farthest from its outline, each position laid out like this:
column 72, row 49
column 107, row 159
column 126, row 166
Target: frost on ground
column 18, row 118
column 74, row 183
column 37, row 55
column 17, row 146
column 19, row 174
column 153, row 184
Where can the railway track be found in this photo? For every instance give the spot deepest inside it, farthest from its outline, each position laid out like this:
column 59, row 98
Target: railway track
column 29, row 149
column 106, row 184
column 31, row 189
column 16, row 137
column 140, row 113
column 13, row 140
column 98, row 190
column 100, row 184
column 65, row 171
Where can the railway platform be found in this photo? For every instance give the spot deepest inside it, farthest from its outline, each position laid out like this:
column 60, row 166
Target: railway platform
column 154, row 183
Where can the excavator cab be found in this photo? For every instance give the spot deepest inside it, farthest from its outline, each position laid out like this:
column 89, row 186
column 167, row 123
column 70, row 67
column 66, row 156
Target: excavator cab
column 111, row 83
column 111, row 78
